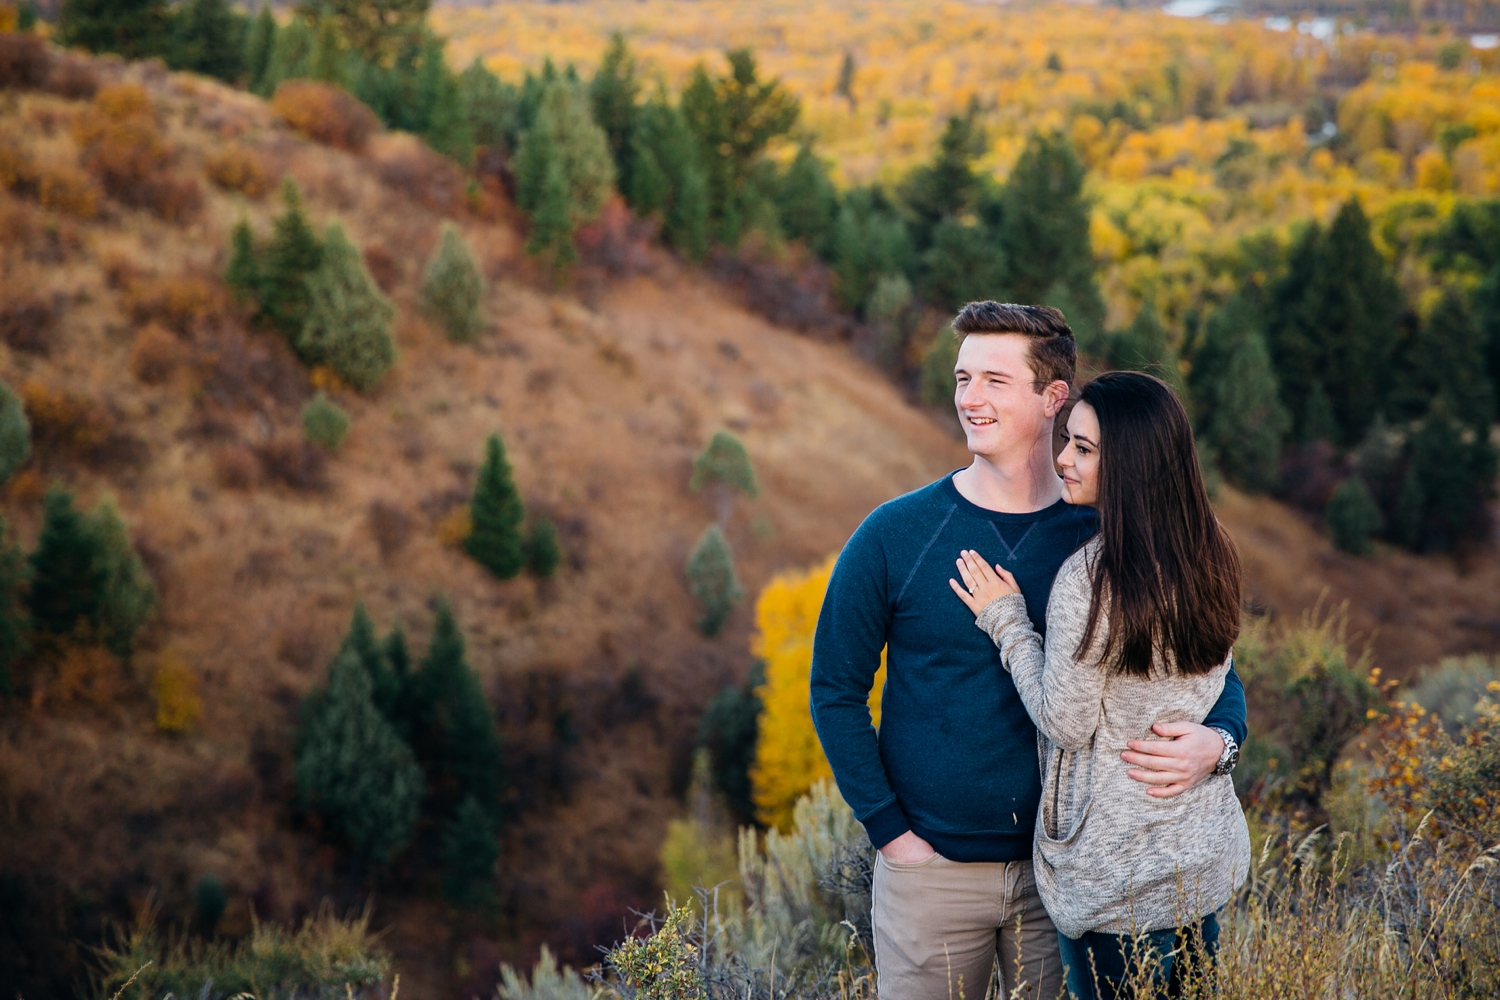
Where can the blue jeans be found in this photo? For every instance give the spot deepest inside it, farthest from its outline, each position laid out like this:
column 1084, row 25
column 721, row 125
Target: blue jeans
column 1115, row 957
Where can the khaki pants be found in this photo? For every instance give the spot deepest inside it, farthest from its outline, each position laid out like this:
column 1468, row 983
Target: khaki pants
column 940, row 924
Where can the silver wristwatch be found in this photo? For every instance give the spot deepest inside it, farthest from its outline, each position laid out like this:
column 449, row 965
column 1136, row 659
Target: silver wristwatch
column 1231, row 754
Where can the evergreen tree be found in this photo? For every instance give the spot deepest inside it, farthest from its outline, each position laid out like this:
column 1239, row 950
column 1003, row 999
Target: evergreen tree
column 845, row 85
column 1487, row 317
column 329, row 59
column 348, row 322
column 470, row 849
column 456, row 738
column 210, row 899
column 404, row 709
column 712, row 580
column 354, row 769
column 15, row 433
column 14, row 621
column 323, row 421
column 491, row 105
column 1143, row 347
column 612, row 94
column 1353, row 516
column 887, row 311
column 1446, row 358
column 728, row 730
column 260, row 43
column 564, row 134
column 243, row 274
column 126, row 594
column 1044, row 229
column 1454, row 469
column 734, row 118
column 497, row 513
column 208, row 37
column 962, row 265
column 1241, row 422
column 688, row 220
column 667, row 178
column 807, row 200
column 949, row 185
column 1409, row 518
column 542, row 551
column 135, row 29
column 724, row 460
column 453, row 288
column 1332, row 323
column 936, row 382
column 290, row 260
column 552, row 223
column 869, row 240
column 26, row 16
column 445, row 121
column 292, row 57
column 67, row 569
column 385, row 685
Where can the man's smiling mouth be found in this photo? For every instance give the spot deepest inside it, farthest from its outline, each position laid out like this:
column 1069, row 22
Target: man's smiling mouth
column 981, row 421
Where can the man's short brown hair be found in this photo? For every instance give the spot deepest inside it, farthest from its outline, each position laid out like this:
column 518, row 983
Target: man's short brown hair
column 1052, row 351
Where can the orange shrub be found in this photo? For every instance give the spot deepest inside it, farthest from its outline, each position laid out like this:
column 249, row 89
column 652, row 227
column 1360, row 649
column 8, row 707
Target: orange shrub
column 65, row 420
column 238, row 168
column 68, row 190
column 84, row 673
column 126, row 152
column 178, row 706
column 455, row 529
column 178, row 302
column 325, row 114
column 72, row 77
column 408, row 165
column 156, row 354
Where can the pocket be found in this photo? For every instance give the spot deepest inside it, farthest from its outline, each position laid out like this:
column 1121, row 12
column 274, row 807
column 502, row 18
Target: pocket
column 905, row 866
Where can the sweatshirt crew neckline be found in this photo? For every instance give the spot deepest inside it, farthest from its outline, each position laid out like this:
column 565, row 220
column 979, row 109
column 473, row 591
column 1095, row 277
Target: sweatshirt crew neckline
column 950, row 490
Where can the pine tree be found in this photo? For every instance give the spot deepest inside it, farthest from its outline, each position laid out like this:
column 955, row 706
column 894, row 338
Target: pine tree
column 1143, row 347
column 807, row 200
column 1446, row 358
column 208, row 37
column 135, row 29
column 354, row 769
column 290, row 259
column 949, row 185
column 323, row 422
column 243, row 274
column 453, row 288
column 845, row 85
column 936, row 382
column 1487, row 317
column 15, row 433
column 961, row 265
column 688, row 222
column 261, row 42
column 1409, row 519
column 542, row 551
column 1332, row 323
column 375, row 29
column 869, row 240
column 445, row 121
column 470, row 849
column 292, row 56
column 404, row 710
column 612, row 95
column 456, row 738
column 67, row 569
column 1243, row 422
column 724, row 460
column 564, row 134
column 497, row 513
column 1455, row 469
column 385, row 685
column 728, row 730
column 348, row 321
column 1353, row 516
column 887, row 312
column 14, row 621
column 491, row 106
column 712, row 580
column 1044, row 229
column 328, row 59
column 126, row 594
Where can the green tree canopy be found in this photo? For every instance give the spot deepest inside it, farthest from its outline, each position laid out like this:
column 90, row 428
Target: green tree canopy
column 259, row 44
column 15, row 433
column 354, row 769
column 613, row 95
column 453, row 288
column 1353, row 517
column 135, row 29
column 291, row 257
column 14, row 621
column 563, row 134
column 348, row 322
column 67, row 568
column 497, row 513
column 1446, row 357
column 712, row 580
column 126, row 594
column 724, row 460
column 374, row 28
column 1240, row 419
column 470, row 849
column 209, row 37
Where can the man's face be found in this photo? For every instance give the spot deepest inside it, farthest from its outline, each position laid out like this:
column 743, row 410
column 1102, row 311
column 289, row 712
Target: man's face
column 997, row 404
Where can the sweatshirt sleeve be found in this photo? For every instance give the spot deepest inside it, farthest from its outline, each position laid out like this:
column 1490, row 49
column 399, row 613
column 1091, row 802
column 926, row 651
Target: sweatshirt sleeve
column 1062, row 695
column 1229, row 711
column 846, row 655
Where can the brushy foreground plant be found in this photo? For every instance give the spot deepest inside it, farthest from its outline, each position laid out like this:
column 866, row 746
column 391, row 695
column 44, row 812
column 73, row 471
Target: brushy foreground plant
column 326, row 958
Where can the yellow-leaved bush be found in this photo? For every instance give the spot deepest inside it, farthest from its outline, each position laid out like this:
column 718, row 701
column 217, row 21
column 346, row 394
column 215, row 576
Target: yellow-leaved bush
column 177, row 703
column 788, row 757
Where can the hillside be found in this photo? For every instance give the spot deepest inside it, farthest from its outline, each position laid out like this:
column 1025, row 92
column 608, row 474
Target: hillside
column 259, row 554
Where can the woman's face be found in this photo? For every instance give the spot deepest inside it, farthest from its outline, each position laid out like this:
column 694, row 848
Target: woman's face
column 1079, row 460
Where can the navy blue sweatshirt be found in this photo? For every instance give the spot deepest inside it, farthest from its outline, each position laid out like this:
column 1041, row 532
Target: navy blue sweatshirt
column 956, row 757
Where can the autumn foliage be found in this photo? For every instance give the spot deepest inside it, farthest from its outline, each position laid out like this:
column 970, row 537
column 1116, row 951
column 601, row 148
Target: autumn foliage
column 325, row 114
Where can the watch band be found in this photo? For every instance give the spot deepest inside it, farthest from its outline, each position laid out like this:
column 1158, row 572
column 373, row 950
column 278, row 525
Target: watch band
column 1231, row 754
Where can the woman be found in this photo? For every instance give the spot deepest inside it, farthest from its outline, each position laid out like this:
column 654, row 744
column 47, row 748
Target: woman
column 1140, row 626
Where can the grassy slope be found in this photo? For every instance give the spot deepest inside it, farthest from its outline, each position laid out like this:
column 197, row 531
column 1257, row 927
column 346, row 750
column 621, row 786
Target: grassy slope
column 602, row 410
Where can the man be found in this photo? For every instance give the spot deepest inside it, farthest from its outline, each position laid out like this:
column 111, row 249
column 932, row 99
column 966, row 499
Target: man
column 948, row 791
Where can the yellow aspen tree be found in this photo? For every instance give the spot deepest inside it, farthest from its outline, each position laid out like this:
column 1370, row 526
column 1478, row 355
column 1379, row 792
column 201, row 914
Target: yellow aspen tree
column 788, row 758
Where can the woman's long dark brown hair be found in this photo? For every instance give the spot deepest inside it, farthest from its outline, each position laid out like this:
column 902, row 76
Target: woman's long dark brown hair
column 1168, row 571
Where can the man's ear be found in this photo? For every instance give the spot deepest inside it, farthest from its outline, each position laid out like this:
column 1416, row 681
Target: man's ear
column 1056, row 394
